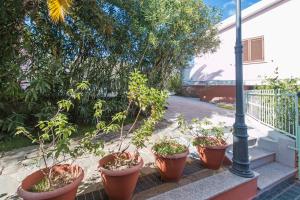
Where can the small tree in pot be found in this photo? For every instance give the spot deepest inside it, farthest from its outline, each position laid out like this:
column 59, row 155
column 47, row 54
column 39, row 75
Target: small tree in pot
column 170, row 158
column 120, row 169
column 209, row 140
column 57, row 180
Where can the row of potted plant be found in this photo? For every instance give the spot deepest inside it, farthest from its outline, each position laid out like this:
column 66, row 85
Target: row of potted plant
column 119, row 170
column 205, row 136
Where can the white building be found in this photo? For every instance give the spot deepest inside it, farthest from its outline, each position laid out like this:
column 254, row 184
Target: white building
column 271, row 38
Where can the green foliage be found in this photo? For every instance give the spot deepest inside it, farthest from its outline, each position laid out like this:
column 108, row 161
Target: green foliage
column 167, row 147
column 100, row 41
column 273, row 82
column 284, row 104
column 175, row 83
column 146, row 100
column 54, row 139
column 226, row 106
column 42, row 186
column 204, row 132
column 14, row 142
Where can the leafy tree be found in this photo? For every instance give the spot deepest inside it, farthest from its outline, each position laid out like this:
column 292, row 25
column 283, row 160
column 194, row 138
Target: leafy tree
column 101, row 42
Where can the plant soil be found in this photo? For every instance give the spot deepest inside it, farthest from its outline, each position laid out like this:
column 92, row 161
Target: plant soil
column 121, row 161
column 55, row 181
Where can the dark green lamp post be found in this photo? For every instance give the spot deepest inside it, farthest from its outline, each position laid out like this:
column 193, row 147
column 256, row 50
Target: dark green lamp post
column 240, row 160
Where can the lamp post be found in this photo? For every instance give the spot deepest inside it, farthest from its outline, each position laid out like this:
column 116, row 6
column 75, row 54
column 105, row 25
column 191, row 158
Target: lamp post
column 240, row 160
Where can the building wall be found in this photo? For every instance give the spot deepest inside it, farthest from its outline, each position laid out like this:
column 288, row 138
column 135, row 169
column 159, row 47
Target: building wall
column 280, row 27
column 212, row 93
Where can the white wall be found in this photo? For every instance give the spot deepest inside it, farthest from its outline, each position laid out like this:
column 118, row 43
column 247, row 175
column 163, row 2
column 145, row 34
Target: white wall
column 280, row 27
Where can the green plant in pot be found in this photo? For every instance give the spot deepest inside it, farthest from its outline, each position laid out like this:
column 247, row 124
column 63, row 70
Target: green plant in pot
column 209, row 140
column 58, row 177
column 170, row 158
column 120, row 169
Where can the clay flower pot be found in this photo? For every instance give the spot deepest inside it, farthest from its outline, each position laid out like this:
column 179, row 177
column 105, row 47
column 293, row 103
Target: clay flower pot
column 119, row 184
column 67, row 192
column 212, row 157
column 171, row 166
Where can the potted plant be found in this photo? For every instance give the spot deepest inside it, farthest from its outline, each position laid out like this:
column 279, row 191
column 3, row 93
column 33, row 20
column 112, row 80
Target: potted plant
column 120, row 169
column 209, row 140
column 170, row 158
column 57, row 179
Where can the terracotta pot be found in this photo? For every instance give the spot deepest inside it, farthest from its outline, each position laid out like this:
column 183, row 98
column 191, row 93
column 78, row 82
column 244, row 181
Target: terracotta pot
column 119, row 184
column 171, row 167
column 212, row 157
column 67, row 192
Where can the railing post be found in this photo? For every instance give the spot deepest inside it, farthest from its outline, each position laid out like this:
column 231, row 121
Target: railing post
column 297, row 129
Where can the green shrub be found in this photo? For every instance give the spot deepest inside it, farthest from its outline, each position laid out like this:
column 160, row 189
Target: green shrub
column 204, row 133
column 168, row 147
column 273, row 82
column 175, row 83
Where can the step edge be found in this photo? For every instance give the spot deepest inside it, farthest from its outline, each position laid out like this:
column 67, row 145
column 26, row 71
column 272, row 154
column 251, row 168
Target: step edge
column 262, row 162
column 203, row 182
column 288, row 175
column 267, row 154
column 271, row 154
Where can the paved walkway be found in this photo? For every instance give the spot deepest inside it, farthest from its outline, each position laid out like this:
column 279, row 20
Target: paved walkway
column 193, row 108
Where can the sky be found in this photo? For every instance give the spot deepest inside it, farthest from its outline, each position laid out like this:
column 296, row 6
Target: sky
column 228, row 6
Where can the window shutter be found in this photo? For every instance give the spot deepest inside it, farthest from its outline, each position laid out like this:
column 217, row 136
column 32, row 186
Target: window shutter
column 246, row 51
column 257, row 49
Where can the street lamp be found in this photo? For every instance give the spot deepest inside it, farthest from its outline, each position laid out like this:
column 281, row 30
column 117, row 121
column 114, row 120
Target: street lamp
column 240, row 161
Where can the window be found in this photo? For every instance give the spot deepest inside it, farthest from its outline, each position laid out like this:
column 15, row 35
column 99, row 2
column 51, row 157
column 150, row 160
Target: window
column 253, row 50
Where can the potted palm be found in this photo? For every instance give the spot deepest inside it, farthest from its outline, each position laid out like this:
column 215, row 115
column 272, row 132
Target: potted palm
column 170, row 158
column 120, row 169
column 209, row 140
column 57, row 178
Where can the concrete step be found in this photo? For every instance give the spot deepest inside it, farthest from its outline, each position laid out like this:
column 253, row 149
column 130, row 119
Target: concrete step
column 257, row 156
column 252, row 141
column 268, row 143
column 223, row 185
column 282, row 146
column 273, row 174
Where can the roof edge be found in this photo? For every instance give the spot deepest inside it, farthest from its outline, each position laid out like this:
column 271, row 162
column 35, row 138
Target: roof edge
column 249, row 12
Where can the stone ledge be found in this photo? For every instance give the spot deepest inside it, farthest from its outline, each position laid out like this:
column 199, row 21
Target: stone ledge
column 210, row 187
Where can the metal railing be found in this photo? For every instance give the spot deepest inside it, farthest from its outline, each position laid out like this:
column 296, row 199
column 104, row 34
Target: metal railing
column 275, row 109
column 278, row 110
